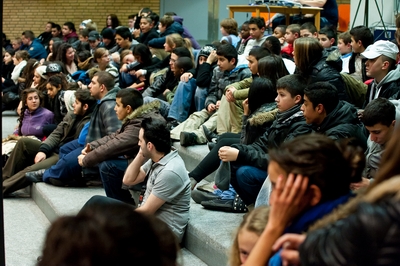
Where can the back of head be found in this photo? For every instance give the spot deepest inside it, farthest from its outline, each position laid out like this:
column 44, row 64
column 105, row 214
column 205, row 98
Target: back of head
column 124, row 33
column 131, row 97
column 230, row 26
column 155, row 131
column 363, row 34
column 176, row 40
column 345, row 36
column 259, row 21
column 107, row 234
column 107, row 33
column 261, row 91
column 308, row 26
column 259, row 52
column 294, row 28
column 379, row 110
column 167, row 21
column 273, row 44
column 106, row 79
column 182, row 52
column 29, row 34
column 272, row 67
column 322, row 93
column 308, row 51
column 185, row 63
column 22, row 54
column 330, row 32
column 321, row 160
column 84, row 97
column 295, row 84
column 228, row 51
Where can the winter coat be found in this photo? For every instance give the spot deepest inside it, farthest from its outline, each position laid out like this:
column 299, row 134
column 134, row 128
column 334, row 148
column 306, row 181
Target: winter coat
column 221, row 79
column 36, row 50
column 69, row 129
column 33, row 122
column 148, row 36
column 104, row 120
column 123, row 142
column 289, row 125
column 175, row 27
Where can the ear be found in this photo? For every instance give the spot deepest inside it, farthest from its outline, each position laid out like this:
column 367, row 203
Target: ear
column 296, row 35
column 232, row 61
column 320, row 108
column 297, row 99
column 85, row 106
column 359, row 43
column 128, row 108
column 315, row 195
column 262, row 29
column 393, row 123
column 332, row 41
column 315, row 34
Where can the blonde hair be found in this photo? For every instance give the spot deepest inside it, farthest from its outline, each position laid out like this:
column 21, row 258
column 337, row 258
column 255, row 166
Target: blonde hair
column 175, row 40
column 255, row 222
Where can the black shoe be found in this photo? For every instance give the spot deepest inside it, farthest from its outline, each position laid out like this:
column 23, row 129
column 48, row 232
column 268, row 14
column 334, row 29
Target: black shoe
column 211, row 136
column 171, row 124
column 202, row 196
column 67, row 183
column 234, row 205
column 188, row 139
column 211, row 145
column 35, row 176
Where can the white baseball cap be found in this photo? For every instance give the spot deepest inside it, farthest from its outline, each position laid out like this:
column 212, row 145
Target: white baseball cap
column 386, row 48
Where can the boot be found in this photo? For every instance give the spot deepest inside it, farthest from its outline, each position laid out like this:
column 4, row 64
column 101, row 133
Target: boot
column 188, row 139
column 211, row 136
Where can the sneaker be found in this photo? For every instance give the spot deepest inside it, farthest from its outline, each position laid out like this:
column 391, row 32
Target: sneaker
column 201, row 196
column 188, row 139
column 233, row 205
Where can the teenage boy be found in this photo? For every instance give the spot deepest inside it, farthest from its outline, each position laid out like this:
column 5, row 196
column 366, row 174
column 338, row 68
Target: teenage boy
column 56, row 31
column 292, row 33
column 379, row 119
column 245, row 37
column 33, row 46
column 361, row 38
column 124, row 40
column 113, row 153
column 190, row 132
column 308, row 29
column 328, row 115
column 31, row 155
column 69, row 32
column 249, row 162
column 257, row 29
column 94, row 41
column 381, row 65
column 327, row 38
column 131, row 22
column 344, row 47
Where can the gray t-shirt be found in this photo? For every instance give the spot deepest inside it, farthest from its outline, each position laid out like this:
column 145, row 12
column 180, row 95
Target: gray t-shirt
column 169, row 181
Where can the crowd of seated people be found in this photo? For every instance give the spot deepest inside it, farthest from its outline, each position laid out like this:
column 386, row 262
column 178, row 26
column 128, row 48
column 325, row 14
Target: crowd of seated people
column 300, row 125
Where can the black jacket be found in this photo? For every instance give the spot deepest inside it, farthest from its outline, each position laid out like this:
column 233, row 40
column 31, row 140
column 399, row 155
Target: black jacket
column 342, row 123
column 204, row 74
column 146, row 37
column 369, row 236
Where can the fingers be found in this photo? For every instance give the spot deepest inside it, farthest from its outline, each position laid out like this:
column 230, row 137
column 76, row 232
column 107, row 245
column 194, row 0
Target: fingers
column 288, row 241
column 290, row 257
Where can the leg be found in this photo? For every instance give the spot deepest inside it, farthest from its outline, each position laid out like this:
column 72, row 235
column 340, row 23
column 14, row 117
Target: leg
column 68, row 147
column 164, row 106
column 182, row 101
column 200, row 98
column 98, row 201
column 223, row 119
column 111, row 173
column 211, row 124
column 235, row 116
column 193, row 122
column 247, row 181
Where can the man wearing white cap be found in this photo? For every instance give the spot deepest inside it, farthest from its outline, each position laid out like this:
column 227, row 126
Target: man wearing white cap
column 381, row 65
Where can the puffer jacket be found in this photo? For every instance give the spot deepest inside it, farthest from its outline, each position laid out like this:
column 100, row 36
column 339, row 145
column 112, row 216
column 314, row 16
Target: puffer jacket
column 175, row 27
column 124, row 142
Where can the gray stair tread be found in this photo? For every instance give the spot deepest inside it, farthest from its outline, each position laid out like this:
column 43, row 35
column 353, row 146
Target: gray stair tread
column 188, row 259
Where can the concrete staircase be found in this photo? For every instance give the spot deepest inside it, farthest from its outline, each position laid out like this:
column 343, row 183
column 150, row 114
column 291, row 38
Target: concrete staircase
column 207, row 240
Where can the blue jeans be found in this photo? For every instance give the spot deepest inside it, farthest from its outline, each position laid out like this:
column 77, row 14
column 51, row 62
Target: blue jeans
column 164, row 106
column 247, row 181
column 67, row 167
column 200, row 98
column 183, row 98
column 112, row 173
column 126, row 80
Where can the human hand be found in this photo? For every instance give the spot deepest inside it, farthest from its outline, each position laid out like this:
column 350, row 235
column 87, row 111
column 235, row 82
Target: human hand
column 228, row 154
column 211, row 108
column 186, row 76
column 287, row 200
column 139, row 73
column 136, row 33
column 80, row 159
column 86, row 150
column 282, row 40
column 2, row 80
column 290, row 244
column 212, row 57
column 142, row 78
column 166, row 91
column 217, row 105
column 40, row 156
column 115, row 57
column 246, row 110
column 229, row 94
column 360, row 113
column 123, row 68
column 363, row 183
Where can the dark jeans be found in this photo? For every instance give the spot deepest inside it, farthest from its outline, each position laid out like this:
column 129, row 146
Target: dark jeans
column 112, row 173
column 96, row 201
column 247, row 181
column 211, row 162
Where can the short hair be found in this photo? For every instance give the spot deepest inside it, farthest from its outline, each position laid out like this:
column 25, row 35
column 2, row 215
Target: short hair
column 84, row 97
column 84, row 55
column 294, row 84
column 322, row 93
column 329, row 32
column 70, row 25
column 230, row 25
column 182, row 52
column 363, row 34
column 99, row 52
column 259, row 52
column 259, row 21
column 273, row 44
column 345, row 36
column 51, row 23
column 29, row 34
column 167, row 21
column 155, row 131
column 22, row 54
column 184, row 63
column 85, row 32
column 228, row 51
column 379, row 110
column 294, row 28
column 56, row 26
column 308, row 26
column 149, row 19
column 154, row 17
column 132, row 16
column 124, row 33
column 170, row 14
column 130, row 97
column 106, row 79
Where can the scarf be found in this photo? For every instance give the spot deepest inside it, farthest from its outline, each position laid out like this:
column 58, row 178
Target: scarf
column 17, row 71
column 282, row 117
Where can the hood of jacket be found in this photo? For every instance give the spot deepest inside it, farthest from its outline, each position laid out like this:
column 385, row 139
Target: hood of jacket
column 175, row 27
column 332, row 59
column 264, row 114
column 344, row 113
column 142, row 110
column 393, row 75
column 111, row 95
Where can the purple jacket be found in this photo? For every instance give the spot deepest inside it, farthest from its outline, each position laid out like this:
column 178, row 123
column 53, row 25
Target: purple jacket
column 187, row 34
column 33, row 122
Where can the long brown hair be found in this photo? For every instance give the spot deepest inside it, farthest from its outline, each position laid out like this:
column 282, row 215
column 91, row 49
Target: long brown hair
column 308, row 51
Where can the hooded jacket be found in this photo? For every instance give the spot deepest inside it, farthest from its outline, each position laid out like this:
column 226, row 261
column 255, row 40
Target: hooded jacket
column 175, row 27
column 187, row 34
column 387, row 88
column 341, row 123
column 123, row 142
